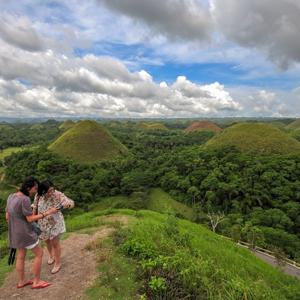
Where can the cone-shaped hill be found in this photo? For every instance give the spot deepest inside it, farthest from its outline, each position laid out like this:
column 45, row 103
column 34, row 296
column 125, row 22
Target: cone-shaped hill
column 294, row 125
column 37, row 127
column 88, row 142
column 203, row 126
column 66, row 125
column 153, row 126
column 255, row 138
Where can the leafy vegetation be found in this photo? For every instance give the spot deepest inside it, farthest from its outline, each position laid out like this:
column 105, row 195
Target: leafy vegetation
column 249, row 175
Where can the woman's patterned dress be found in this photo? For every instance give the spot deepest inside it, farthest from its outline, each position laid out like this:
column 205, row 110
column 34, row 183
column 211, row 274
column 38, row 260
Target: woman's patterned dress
column 52, row 225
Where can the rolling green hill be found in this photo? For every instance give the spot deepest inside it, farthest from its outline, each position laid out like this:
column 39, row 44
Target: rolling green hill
column 255, row 138
column 162, row 202
column 203, row 126
column 8, row 151
column 153, row 126
column 177, row 259
column 157, row 200
column 66, row 125
column 88, row 142
column 294, row 125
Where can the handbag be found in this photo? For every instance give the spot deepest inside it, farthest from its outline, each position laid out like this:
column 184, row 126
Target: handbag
column 36, row 228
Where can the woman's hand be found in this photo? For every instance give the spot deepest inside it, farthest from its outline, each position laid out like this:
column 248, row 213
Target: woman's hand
column 51, row 211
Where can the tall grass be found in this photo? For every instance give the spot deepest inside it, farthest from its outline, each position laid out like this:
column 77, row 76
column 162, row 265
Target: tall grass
column 180, row 259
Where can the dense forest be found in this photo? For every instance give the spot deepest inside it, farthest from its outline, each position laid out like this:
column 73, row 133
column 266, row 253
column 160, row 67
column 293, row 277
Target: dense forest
column 258, row 194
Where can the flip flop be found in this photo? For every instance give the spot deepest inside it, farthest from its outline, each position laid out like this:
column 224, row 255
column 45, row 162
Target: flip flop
column 50, row 260
column 41, row 285
column 29, row 282
column 55, row 269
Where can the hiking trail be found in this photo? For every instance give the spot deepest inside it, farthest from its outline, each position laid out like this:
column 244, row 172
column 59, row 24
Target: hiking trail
column 78, row 272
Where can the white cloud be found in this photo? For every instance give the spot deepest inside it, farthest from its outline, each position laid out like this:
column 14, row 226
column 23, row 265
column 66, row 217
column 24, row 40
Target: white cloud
column 270, row 26
column 176, row 19
column 18, row 31
column 51, row 83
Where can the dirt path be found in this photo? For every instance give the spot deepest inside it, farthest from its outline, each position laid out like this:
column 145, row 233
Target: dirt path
column 78, row 271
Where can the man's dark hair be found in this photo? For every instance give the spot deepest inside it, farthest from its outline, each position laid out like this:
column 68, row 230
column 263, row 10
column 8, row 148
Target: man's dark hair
column 27, row 184
column 44, row 186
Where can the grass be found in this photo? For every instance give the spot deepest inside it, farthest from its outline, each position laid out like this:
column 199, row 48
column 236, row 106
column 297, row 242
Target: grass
column 255, row 138
column 88, row 142
column 93, row 219
column 203, row 126
column 5, row 268
column 117, row 280
column 186, row 257
column 189, row 257
column 8, row 151
column 158, row 200
column 161, row 201
column 294, row 125
column 193, row 259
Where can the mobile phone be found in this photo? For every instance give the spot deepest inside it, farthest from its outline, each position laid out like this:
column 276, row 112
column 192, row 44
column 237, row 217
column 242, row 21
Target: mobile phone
column 59, row 206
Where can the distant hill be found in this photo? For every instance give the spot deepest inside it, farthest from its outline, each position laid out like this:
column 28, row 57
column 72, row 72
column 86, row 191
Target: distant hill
column 203, row 126
column 162, row 202
column 255, row 138
column 66, row 125
column 294, row 125
column 88, row 142
column 6, row 127
column 37, row 127
column 153, row 126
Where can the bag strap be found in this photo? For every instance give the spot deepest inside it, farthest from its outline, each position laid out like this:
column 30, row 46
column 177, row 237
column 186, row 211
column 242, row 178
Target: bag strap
column 12, row 255
column 37, row 205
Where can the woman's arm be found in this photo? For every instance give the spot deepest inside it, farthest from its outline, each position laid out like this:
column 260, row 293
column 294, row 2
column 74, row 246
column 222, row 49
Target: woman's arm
column 65, row 201
column 33, row 218
column 7, row 216
column 35, row 205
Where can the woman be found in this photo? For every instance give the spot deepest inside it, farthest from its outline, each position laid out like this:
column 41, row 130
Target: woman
column 21, row 233
column 54, row 225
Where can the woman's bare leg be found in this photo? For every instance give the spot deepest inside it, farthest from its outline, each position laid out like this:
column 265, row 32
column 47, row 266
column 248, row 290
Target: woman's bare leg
column 37, row 264
column 20, row 265
column 50, row 250
column 57, row 251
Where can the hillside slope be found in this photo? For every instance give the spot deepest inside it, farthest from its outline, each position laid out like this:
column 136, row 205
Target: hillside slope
column 157, row 256
column 294, row 125
column 255, row 138
column 203, row 126
column 88, row 142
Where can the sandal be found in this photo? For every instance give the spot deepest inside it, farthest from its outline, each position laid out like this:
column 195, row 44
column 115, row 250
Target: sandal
column 41, row 285
column 28, row 282
column 50, row 260
column 55, row 269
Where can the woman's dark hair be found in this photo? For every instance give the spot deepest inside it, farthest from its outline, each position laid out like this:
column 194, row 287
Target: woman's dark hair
column 28, row 184
column 44, row 186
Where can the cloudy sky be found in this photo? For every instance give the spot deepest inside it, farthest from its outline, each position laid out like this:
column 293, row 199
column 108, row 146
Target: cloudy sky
column 141, row 58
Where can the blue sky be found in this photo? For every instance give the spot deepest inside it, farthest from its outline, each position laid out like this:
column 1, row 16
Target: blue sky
column 138, row 58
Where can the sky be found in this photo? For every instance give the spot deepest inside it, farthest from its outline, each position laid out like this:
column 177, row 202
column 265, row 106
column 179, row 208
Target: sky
column 144, row 59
